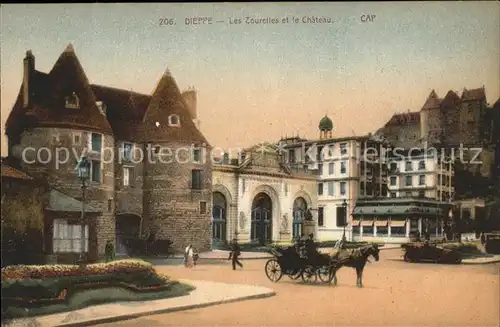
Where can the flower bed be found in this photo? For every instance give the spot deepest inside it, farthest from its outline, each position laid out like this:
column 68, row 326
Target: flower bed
column 41, row 284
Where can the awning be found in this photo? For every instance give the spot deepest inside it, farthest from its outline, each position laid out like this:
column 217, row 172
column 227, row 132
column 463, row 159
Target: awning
column 398, row 223
column 356, row 222
column 367, row 223
column 381, row 223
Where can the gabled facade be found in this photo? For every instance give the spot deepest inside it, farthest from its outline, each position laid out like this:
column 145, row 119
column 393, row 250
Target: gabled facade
column 150, row 171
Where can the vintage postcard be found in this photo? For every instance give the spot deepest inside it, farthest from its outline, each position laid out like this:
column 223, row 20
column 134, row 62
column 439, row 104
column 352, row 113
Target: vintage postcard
column 250, row 164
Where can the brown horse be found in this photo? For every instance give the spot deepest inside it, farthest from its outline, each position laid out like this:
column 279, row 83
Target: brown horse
column 354, row 258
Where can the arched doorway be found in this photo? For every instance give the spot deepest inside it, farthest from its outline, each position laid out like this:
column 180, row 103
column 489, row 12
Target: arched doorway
column 262, row 219
column 219, row 217
column 127, row 229
column 299, row 215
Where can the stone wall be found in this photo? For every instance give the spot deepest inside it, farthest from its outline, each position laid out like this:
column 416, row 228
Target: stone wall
column 172, row 210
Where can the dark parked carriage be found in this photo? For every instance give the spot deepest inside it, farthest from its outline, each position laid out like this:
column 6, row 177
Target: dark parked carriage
column 291, row 262
column 417, row 252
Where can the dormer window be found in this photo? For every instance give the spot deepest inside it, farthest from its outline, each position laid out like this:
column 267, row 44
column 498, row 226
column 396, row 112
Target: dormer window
column 174, row 120
column 72, row 101
column 102, row 107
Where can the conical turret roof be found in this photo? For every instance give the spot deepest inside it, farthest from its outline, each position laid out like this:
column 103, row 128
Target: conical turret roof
column 166, row 101
column 432, row 101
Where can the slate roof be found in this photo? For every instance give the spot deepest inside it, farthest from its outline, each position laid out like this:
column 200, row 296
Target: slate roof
column 59, row 201
column 11, row 172
column 474, row 94
column 167, row 100
column 451, row 98
column 48, row 93
column 129, row 115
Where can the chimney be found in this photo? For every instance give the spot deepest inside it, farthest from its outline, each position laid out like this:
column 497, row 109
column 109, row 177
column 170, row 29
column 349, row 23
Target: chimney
column 190, row 98
column 29, row 69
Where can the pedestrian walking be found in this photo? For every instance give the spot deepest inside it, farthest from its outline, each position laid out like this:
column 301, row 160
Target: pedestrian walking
column 234, row 254
column 188, row 256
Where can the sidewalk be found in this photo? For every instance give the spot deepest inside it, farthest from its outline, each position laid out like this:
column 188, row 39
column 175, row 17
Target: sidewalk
column 205, row 294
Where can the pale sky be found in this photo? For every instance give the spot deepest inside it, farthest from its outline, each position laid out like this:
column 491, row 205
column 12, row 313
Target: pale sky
column 260, row 82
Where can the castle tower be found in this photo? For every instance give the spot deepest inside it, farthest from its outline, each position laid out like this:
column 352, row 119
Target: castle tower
column 325, row 128
column 56, row 112
column 430, row 119
column 177, row 184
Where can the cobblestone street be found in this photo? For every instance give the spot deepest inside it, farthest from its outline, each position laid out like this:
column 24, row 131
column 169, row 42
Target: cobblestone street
column 395, row 294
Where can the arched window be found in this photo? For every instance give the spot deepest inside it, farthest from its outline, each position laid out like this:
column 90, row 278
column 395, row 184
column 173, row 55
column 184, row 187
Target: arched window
column 72, row 101
column 174, row 120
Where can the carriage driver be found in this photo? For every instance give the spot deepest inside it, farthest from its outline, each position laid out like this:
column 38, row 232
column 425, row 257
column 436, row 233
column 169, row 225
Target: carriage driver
column 310, row 246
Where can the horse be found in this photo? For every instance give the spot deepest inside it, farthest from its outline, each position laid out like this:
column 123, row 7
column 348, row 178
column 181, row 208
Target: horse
column 353, row 258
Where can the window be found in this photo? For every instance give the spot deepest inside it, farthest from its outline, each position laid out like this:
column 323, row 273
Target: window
column 174, row 120
column 77, row 138
column 291, row 156
column 342, row 188
column 197, row 155
column 408, row 194
column 398, row 228
column 393, row 195
column 331, row 167
column 408, row 166
column 319, row 154
column 341, row 216
column 342, row 167
column 128, row 176
column 110, row 205
column 343, row 148
column 421, row 165
column 382, row 230
column 196, row 179
column 95, row 142
column 368, row 230
column 127, row 151
column 421, row 180
column 320, row 188
column 393, row 180
column 242, row 186
column 330, row 189
column 320, row 169
column 408, row 180
column 466, row 213
column 203, row 207
column 321, row 220
column 96, row 171
column 55, row 138
column 393, row 167
column 421, row 194
column 67, row 238
column 72, row 101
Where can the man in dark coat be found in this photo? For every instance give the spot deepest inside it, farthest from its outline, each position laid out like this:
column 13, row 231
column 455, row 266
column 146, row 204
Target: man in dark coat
column 310, row 247
column 234, row 254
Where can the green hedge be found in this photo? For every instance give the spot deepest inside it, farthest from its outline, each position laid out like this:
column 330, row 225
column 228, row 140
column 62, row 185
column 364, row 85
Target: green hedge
column 255, row 247
column 463, row 248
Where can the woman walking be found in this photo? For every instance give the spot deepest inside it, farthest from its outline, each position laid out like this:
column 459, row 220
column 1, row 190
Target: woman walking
column 188, row 257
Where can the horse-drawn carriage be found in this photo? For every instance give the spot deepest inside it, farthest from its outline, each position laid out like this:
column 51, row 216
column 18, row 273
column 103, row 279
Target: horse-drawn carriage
column 296, row 264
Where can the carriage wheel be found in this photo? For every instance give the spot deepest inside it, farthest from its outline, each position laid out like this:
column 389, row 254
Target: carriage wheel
column 295, row 275
column 325, row 275
column 309, row 275
column 273, row 270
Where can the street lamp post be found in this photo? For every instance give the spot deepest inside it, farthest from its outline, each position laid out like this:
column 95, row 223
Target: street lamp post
column 83, row 170
column 344, row 205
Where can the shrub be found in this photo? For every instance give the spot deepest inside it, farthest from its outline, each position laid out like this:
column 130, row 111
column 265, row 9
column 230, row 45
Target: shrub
column 56, row 271
column 464, row 248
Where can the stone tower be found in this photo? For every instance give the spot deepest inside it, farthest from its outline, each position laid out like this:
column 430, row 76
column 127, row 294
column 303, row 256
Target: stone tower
column 56, row 117
column 177, row 181
column 430, row 120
